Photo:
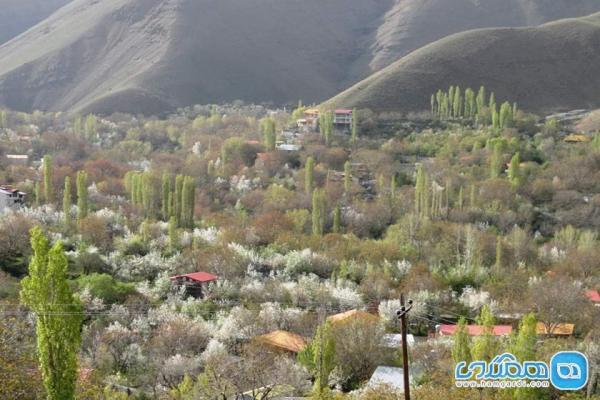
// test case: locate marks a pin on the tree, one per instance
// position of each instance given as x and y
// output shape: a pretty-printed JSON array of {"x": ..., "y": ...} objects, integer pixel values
[
  {"x": 514, "y": 170},
  {"x": 166, "y": 191},
  {"x": 178, "y": 197},
  {"x": 269, "y": 135},
  {"x": 393, "y": 187},
  {"x": 506, "y": 115},
  {"x": 318, "y": 212},
  {"x": 347, "y": 177},
  {"x": 37, "y": 191},
  {"x": 173, "y": 235},
  {"x": 496, "y": 160},
  {"x": 59, "y": 317},
  {"x": 337, "y": 219},
  {"x": 67, "y": 202},
  {"x": 461, "y": 347},
  {"x": 82, "y": 195},
  {"x": 355, "y": 123},
  {"x": 485, "y": 346},
  {"x": 188, "y": 194},
  {"x": 319, "y": 357},
  {"x": 48, "y": 177},
  {"x": 421, "y": 192},
  {"x": 480, "y": 101},
  {"x": 309, "y": 171},
  {"x": 524, "y": 349}
]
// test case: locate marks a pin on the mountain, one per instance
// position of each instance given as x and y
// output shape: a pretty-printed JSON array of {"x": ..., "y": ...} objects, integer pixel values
[
  {"x": 553, "y": 67},
  {"x": 151, "y": 56},
  {"x": 412, "y": 24},
  {"x": 16, "y": 16}
]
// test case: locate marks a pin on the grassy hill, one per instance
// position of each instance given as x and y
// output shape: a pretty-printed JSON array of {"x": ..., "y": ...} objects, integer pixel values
[
  {"x": 149, "y": 56},
  {"x": 16, "y": 16},
  {"x": 555, "y": 66}
]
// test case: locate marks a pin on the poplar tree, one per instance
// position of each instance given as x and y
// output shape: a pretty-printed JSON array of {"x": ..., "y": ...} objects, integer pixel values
[
  {"x": 318, "y": 212},
  {"x": 421, "y": 193},
  {"x": 355, "y": 125},
  {"x": 82, "y": 195},
  {"x": 67, "y": 202},
  {"x": 457, "y": 100},
  {"x": 269, "y": 135},
  {"x": 524, "y": 348},
  {"x": 337, "y": 219},
  {"x": 38, "y": 194},
  {"x": 514, "y": 170},
  {"x": 461, "y": 347},
  {"x": 187, "y": 202},
  {"x": 393, "y": 185},
  {"x": 177, "y": 198},
  {"x": 58, "y": 316},
  {"x": 48, "y": 177},
  {"x": 173, "y": 235},
  {"x": 347, "y": 176},
  {"x": 166, "y": 191},
  {"x": 319, "y": 357},
  {"x": 506, "y": 117},
  {"x": 470, "y": 105},
  {"x": 309, "y": 170},
  {"x": 480, "y": 101},
  {"x": 485, "y": 346},
  {"x": 90, "y": 126},
  {"x": 496, "y": 159}
]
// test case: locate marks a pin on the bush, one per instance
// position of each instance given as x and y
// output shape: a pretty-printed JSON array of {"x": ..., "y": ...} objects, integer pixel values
[{"x": 105, "y": 287}]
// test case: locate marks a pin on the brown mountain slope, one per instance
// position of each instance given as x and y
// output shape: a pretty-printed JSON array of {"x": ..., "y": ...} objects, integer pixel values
[
  {"x": 412, "y": 24},
  {"x": 16, "y": 16},
  {"x": 555, "y": 66},
  {"x": 153, "y": 55}
]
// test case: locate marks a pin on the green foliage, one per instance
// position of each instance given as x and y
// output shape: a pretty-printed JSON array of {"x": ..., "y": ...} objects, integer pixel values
[
  {"x": 46, "y": 292},
  {"x": 355, "y": 121},
  {"x": 67, "y": 202},
  {"x": 309, "y": 171},
  {"x": 319, "y": 357},
  {"x": 485, "y": 345},
  {"x": 337, "y": 219},
  {"x": 82, "y": 195},
  {"x": 422, "y": 192},
  {"x": 269, "y": 135},
  {"x": 514, "y": 170},
  {"x": 524, "y": 346},
  {"x": 347, "y": 176},
  {"x": 173, "y": 235},
  {"x": 105, "y": 287},
  {"x": 319, "y": 212},
  {"x": 48, "y": 170},
  {"x": 461, "y": 347}
]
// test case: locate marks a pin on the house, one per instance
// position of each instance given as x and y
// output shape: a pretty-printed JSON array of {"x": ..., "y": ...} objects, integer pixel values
[
  {"x": 558, "y": 330},
  {"x": 389, "y": 376},
  {"x": 283, "y": 341},
  {"x": 342, "y": 118},
  {"x": 352, "y": 315},
  {"x": 474, "y": 330},
  {"x": 593, "y": 296},
  {"x": 11, "y": 198},
  {"x": 194, "y": 283},
  {"x": 394, "y": 340}
]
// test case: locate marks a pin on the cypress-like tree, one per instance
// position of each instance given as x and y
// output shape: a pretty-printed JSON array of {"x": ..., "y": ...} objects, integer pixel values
[
  {"x": 48, "y": 178},
  {"x": 347, "y": 176},
  {"x": 421, "y": 193},
  {"x": 514, "y": 170},
  {"x": 269, "y": 135},
  {"x": 37, "y": 191},
  {"x": 177, "y": 206},
  {"x": 457, "y": 107},
  {"x": 461, "y": 347},
  {"x": 337, "y": 219},
  {"x": 173, "y": 235},
  {"x": 485, "y": 346},
  {"x": 480, "y": 101},
  {"x": 506, "y": 117},
  {"x": 82, "y": 195},
  {"x": 309, "y": 171},
  {"x": 319, "y": 212},
  {"x": 319, "y": 357},
  {"x": 187, "y": 202},
  {"x": 67, "y": 202},
  {"x": 166, "y": 191},
  {"x": 496, "y": 159},
  {"x": 59, "y": 316},
  {"x": 355, "y": 126},
  {"x": 393, "y": 186},
  {"x": 524, "y": 348}
]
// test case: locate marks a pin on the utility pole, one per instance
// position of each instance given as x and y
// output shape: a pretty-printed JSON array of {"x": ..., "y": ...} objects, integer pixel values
[{"x": 402, "y": 315}]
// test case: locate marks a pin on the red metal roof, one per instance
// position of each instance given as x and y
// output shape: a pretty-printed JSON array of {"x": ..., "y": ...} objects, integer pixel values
[
  {"x": 476, "y": 330},
  {"x": 197, "y": 276},
  {"x": 593, "y": 295},
  {"x": 343, "y": 111}
]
